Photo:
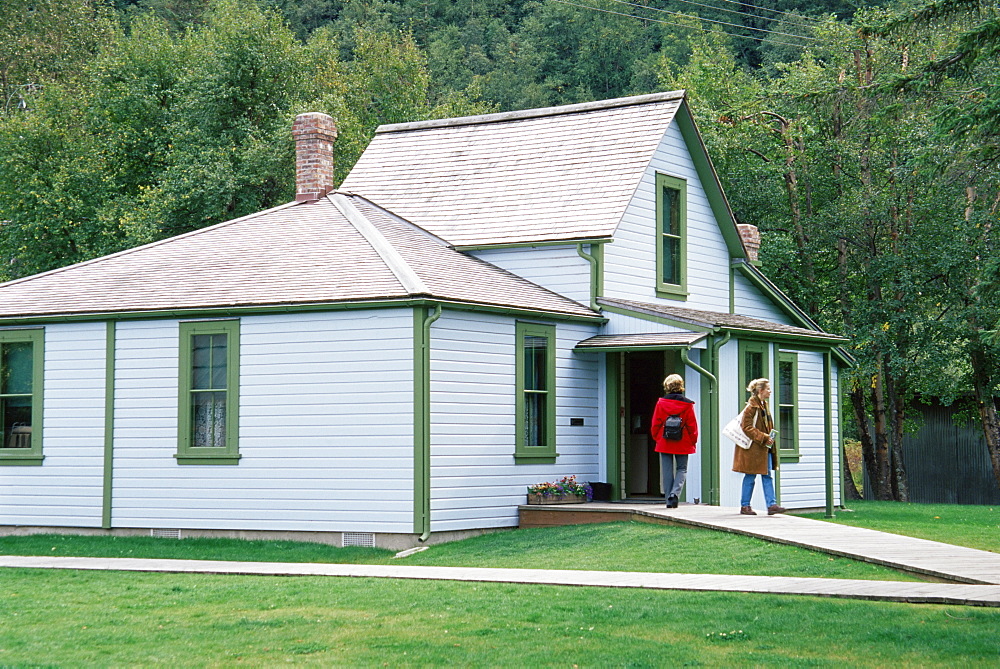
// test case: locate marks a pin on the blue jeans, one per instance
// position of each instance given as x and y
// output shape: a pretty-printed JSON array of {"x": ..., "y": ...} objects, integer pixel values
[
  {"x": 766, "y": 480},
  {"x": 672, "y": 483}
]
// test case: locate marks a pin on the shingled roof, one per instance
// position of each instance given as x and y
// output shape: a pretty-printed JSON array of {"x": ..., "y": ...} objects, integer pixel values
[
  {"x": 559, "y": 173},
  {"x": 339, "y": 249},
  {"x": 711, "y": 320}
]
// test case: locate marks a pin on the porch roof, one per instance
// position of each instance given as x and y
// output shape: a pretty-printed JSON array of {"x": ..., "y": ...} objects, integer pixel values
[
  {"x": 708, "y": 321},
  {"x": 631, "y": 342}
]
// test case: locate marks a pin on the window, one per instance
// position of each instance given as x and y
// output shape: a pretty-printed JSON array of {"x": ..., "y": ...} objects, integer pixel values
[
  {"x": 787, "y": 401},
  {"x": 754, "y": 364},
  {"x": 536, "y": 400},
  {"x": 208, "y": 421},
  {"x": 671, "y": 227},
  {"x": 21, "y": 397}
]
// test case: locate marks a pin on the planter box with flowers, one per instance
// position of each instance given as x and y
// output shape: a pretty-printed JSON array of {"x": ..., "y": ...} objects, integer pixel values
[{"x": 564, "y": 491}]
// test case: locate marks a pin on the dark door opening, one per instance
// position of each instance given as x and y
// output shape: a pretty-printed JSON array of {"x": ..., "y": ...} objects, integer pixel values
[{"x": 643, "y": 384}]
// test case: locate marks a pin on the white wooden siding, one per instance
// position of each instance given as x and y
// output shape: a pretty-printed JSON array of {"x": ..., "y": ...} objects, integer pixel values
[
  {"x": 557, "y": 268},
  {"x": 749, "y": 301},
  {"x": 326, "y": 422},
  {"x": 67, "y": 489},
  {"x": 802, "y": 483},
  {"x": 474, "y": 480},
  {"x": 630, "y": 262}
]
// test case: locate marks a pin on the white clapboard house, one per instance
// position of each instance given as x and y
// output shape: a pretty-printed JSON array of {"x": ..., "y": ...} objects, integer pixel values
[{"x": 485, "y": 303}]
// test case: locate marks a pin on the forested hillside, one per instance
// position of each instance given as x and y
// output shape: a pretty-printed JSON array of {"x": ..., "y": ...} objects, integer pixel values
[{"x": 863, "y": 141}]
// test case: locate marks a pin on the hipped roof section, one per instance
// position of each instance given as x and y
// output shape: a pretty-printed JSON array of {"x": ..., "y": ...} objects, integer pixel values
[
  {"x": 338, "y": 250},
  {"x": 541, "y": 175}
]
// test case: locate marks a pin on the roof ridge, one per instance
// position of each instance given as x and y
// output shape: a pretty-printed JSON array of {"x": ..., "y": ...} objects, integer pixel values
[
  {"x": 411, "y": 282},
  {"x": 150, "y": 245},
  {"x": 533, "y": 113}
]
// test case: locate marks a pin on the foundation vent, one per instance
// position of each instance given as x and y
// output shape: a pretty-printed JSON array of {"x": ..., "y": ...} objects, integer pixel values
[
  {"x": 165, "y": 534},
  {"x": 364, "y": 539}
]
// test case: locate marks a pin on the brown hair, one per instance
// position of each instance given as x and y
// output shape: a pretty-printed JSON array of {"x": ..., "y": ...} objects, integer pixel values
[{"x": 673, "y": 384}]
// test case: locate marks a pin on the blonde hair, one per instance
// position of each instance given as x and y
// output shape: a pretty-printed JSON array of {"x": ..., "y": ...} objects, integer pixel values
[
  {"x": 757, "y": 385},
  {"x": 673, "y": 384}
]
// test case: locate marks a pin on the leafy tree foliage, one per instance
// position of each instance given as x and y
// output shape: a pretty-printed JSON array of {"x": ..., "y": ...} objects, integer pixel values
[
  {"x": 168, "y": 132},
  {"x": 867, "y": 215}
]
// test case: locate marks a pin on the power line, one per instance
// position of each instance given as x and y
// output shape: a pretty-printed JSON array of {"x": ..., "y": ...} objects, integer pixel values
[
  {"x": 742, "y": 13},
  {"x": 765, "y": 9},
  {"x": 673, "y": 23},
  {"x": 723, "y": 23}
]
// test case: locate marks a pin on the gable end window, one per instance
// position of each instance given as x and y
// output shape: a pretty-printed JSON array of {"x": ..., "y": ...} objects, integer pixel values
[
  {"x": 208, "y": 402},
  {"x": 21, "y": 374},
  {"x": 671, "y": 234},
  {"x": 535, "y": 367}
]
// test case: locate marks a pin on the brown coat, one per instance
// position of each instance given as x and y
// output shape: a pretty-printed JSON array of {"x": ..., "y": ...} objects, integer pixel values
[{"x": 757, "y": 424}]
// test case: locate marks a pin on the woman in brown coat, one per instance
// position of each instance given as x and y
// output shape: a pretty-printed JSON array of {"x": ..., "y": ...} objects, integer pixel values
[{"x": 763, "y": 452}]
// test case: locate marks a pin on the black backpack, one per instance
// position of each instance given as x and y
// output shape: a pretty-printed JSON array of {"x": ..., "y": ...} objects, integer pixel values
[{"x": 673, "y": 428}]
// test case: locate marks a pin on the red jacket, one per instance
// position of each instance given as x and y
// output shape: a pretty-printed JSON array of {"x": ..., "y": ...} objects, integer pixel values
[{"x": 668, "y": 406}]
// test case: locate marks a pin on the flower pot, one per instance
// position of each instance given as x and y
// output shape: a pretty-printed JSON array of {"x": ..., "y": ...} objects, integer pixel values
[{"x": 537, "y": 498}]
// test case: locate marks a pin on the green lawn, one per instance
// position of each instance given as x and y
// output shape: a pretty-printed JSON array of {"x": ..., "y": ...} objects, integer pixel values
[
  {"x": 611, "y": 546},
  {"x": 959, "y": 524},
  {"x": 102, "y": 619}
]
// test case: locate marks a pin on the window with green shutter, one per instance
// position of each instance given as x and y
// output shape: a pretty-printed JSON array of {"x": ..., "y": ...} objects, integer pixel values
[
  {"x": 21, "y": 397},
  {"x": 208, "y": 420}
]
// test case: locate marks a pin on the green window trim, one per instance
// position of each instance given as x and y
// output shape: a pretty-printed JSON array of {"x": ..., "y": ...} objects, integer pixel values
[
  {"x": 786, "y": 404},
  {"x": 535, "y": 405},
  {"x": 206, "y": 387},
  {"x": 22, "y": 353},
  {"x": 671, "y": 237}
]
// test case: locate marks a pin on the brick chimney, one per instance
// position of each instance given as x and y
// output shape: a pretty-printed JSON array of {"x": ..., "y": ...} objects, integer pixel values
[
  {"x": 751, "y": 240},
  {"x": 314, "y": 134}
]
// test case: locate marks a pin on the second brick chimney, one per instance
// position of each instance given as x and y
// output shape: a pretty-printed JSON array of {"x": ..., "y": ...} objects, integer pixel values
[
  {"x": 314, "y": 134},
  {"x": 751, "y": 240}
]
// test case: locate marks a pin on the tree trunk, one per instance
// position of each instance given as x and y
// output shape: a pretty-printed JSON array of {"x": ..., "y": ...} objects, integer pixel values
[
  {"x": 857, "y": 396},
  {"x": 897, "y": 414},
  {"x": 881, "y": 485},
  {"x": 982, "y": 386},
  {"x": 850, "y": 489}
]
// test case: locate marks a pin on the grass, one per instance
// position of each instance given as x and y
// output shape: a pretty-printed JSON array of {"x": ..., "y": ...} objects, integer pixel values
[
  {"x": 959, "y": 524},
  {"x": 610, "y": 546},
  {"x": 99, "y": 619}
]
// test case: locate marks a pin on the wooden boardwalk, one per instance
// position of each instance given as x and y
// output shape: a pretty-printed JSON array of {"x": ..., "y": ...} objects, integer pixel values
[
  {"x": 894, "y": 591},
  {"x": 973, "y": 576},
  {"x": 949, "y": 563}
]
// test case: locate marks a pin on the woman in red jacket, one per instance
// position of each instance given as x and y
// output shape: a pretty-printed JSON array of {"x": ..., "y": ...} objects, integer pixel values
[{"x": 678, "y": 442}]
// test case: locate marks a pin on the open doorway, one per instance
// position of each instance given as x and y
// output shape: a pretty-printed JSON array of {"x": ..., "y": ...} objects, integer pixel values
[{"x": 644, "y": 372}]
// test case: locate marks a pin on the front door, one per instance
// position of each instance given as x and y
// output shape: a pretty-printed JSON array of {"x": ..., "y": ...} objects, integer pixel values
[{"x": 643, "y": 373}]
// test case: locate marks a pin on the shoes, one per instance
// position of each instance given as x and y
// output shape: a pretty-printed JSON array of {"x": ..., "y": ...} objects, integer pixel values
[
  {"x": 672, "y": 502},
  {"x": 774, "y": 508},
  {"x": 747, "y": 511}
]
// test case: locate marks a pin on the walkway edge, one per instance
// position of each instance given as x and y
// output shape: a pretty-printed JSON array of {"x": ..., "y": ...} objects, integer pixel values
[{"x": 890, "y": 591}]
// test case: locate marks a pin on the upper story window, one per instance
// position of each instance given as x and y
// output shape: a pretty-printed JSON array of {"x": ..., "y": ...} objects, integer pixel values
[
  {"x": 535, "y": 367},
  {"x": 21, "y": 397},
  {"x": 208, "y": 420},
  {"x": 671, "y": 233}
]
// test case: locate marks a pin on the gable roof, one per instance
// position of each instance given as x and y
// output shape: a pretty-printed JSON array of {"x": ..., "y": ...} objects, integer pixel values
[
  {"x": 541, "y": 175},
  {"x": 338, "y": 250}
]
